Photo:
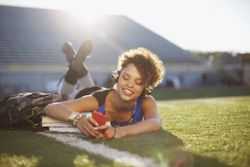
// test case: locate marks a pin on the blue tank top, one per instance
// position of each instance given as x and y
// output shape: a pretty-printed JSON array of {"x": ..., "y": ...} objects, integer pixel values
[{"x": 137, "y": 114}]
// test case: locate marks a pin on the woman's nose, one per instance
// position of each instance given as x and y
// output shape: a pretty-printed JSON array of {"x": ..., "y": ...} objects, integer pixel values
[{"x": 130, "y": 83}]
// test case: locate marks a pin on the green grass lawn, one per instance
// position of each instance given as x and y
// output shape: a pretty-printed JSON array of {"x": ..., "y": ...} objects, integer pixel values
[
  {"x": 215, "y": 128},
  {"x": 209, "y": 132}
]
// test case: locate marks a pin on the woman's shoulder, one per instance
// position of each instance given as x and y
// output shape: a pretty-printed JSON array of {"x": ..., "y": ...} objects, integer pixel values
[
  {"x": 101, "y": 95},
  {"x": 148, "y": 100}
]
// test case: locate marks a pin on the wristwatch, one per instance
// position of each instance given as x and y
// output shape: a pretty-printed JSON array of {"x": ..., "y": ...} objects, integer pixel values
[{"x": 74, "y": 117}]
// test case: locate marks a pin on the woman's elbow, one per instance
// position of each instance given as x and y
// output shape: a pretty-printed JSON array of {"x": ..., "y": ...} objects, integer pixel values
[
  {"x": 49, "y": 109},
  {"x": 157, "y": 125}
]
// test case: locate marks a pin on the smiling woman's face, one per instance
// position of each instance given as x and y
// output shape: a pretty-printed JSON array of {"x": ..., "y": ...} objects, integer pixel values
[{"x": 130, "y": 84}]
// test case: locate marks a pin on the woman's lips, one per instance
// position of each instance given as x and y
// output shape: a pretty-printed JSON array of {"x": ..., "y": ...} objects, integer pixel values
[{"x": 127, "y": 92}]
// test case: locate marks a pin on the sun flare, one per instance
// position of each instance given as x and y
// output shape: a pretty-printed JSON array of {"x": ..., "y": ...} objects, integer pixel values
[{"x": 86, "y": 17}]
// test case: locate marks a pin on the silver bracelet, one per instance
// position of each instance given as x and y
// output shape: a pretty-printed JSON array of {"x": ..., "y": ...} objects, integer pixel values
[{"x": 74, "y": 117}]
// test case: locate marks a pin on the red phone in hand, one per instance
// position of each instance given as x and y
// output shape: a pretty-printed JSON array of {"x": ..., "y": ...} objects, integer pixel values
[{"x": 101, "y": 120}]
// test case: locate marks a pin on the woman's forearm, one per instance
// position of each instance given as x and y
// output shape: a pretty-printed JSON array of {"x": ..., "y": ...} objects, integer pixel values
[
  {"x": 57, "y": 111},
  {"x": 145, "y": 126}
]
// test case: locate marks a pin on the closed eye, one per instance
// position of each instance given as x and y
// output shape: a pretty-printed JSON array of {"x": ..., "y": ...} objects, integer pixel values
[
  {"x": 125, "y": 77},
  {"x": 139, "y": 82}
]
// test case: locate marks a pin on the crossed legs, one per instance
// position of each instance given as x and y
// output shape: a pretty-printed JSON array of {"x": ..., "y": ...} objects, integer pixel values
[{"x": 77, "y": 77}]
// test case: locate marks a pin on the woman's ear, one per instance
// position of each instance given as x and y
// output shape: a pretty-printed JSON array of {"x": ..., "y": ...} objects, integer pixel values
[
  {"x": 148, "y": 89},
  {"x": 115, "y": 86},
  {"x": 118, "y": 72}
]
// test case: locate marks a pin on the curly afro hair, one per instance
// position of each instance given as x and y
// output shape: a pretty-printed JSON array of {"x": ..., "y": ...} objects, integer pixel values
[{"x": 147, "y": 63}]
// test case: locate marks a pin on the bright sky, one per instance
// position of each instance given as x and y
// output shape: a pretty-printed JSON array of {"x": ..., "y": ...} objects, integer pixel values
[{"x": 203, "y": 25}]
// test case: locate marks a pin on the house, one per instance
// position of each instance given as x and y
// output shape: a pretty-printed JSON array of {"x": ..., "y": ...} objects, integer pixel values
[{"x": 31, "y": 41}]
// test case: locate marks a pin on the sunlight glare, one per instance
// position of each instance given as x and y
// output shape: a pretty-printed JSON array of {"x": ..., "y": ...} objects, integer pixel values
[{"x": 86, "y": 17}]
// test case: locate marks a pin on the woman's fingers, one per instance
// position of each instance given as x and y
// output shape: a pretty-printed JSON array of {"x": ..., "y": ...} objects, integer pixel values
[
  {"x": 91, "y": 130},
  {"x": 102, "y": 127},
  {"x": 92, "y": 121},
  {"x": 95, "y": 124},
  {"x": 87, "y": 128},
  {"x": 83, "y": 129},
  {"x": 110, "y": 133}
]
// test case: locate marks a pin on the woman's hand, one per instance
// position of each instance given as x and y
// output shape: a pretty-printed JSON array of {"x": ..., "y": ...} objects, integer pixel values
[
  {"x": 119, "y": 133},
  {"x": 107, "y": 131},
  {"x": 111, "y": 132},
  {"x": 88, "y": 125}
]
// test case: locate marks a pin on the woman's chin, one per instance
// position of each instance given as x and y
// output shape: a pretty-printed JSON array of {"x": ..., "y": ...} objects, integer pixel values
[{"x": 128, "y": 97}]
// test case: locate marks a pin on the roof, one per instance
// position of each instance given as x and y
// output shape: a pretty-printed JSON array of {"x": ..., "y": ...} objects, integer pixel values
[{"x": 36, "y": 36}]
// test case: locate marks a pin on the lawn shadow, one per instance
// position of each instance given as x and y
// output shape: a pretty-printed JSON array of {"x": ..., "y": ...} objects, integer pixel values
[
  {"x": 201, "y": 161},
  {"x": 164, "y": 147},
  {"x": 25, "y": 148}
]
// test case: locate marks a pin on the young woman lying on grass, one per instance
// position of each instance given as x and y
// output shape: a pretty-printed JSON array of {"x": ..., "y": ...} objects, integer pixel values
[{"x": 128, "y": 105}]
